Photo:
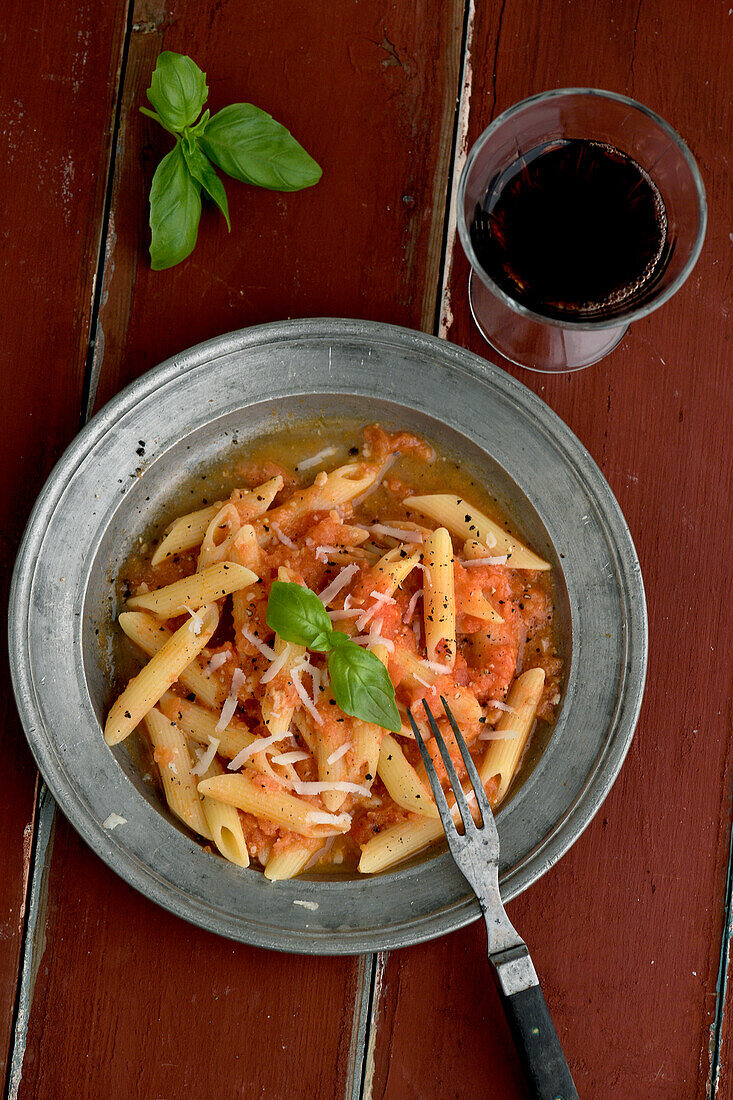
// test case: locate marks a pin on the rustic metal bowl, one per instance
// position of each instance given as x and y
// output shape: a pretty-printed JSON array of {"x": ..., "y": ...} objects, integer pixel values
[{"x": 101, "y": 495}]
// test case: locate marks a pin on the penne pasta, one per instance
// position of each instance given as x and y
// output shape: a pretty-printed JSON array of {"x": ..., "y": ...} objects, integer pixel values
[
  {"x": 224, "y": 823},
  {"x": 185, "y": 533},
  {"x": 479, "y": 607},
  {"x": 256, "y": 796},
  {"x": 396, "y": 566},
  {"x": 277, "y": 700},
  {"x": 398, "y": 842},
  {"x": 200, "y": 724},
  {"x": 307, "y": 772},
  {"x": 160, "y": 673},
  {"x": 401, "y": 780},
  {"x": 150, "y": 635},
  {"x": 367, "y": 739},
  {"x": 220, "y": 534},
  {"x": 467, "y": 522},
  {"x": 338, "y": 487},
  {"x": 193, "y": 592},
  {"x": 251, "y": 503},
  {"x": 174, "y": 764},
  {"x": 502, "y": 757},
  {"x": 439, "y": 604},
  {"x": 292, "y": 861}
]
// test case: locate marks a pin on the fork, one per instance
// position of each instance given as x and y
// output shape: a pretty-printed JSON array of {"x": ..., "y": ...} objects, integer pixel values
[{"x": 476, "y": 853}]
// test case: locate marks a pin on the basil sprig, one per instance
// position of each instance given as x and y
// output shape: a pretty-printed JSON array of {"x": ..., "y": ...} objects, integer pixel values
[
  {"x": 241, "y": 140},
  {"x": 360, "y": 683}
]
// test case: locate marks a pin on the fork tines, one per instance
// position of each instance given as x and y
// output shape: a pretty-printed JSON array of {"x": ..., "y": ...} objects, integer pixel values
[{"x": 441, "y": 801}]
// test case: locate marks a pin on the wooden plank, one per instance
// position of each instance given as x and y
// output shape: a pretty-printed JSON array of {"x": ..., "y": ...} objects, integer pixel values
[
  {"x": 57, "y": 92},
  {"x": 626, "y": 930},
  {"x": 370, "y": 90}
]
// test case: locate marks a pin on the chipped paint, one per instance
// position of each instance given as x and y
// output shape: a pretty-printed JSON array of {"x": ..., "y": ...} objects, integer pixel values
[
  {"x": 34, "y": 943},
  {"x": 360, "y": 1074},
  {"x": 460, "y": 152},
  {"x": 368, "y": 1076}
]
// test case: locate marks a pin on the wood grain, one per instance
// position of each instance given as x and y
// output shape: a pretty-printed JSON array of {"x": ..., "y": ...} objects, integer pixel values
[
  {"x": 626, "y": 930},
  {"x": 369, "y": 90},
  {"x": 57, "y": 92},
  {"x": 146, "y": 1005}
]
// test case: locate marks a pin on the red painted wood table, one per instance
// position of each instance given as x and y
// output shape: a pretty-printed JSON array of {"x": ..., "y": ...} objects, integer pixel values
[{"x": 101, "y": 993}]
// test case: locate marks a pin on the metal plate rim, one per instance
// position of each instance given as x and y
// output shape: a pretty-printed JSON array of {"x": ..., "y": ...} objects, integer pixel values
[{"x": 103, "y": 843}]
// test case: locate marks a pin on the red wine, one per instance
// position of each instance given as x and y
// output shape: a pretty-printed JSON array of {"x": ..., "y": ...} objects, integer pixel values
[{"x": 573, "y": 228}]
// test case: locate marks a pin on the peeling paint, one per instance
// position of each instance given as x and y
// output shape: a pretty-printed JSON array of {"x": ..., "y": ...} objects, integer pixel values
[
  {"x": 368, "y": 1079},
  {"x": 459, "y": 159},
  {"x": 34, "y": 943}
]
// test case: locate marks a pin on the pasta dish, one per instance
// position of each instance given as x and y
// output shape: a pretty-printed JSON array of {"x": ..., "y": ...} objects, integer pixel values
[{"x": 289, "y": 628}]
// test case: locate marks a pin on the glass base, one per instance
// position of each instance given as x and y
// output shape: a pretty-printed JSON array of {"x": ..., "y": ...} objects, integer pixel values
[{"x": 547, "y": 348}]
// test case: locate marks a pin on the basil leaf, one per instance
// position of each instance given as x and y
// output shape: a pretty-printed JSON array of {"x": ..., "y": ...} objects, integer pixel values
[
  {"x": 249, "y": 145},
  {"x": 297, "y": 615},
  {"x": 200, "y": 168},
  {"x": 361, "y": 686},
  {"x": 175, "y": 209},
  {"x": 177, "y": 89}
]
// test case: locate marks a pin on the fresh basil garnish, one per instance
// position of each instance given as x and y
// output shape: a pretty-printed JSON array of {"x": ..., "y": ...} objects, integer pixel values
[
  {"x": 297, "y": 615},
  {"x": 360, "y": 683},
  {"x": 202, "y": 171},
  {"x": 177, "y": 90},
  {"x": 175, "y": 209},
  {"x": 361, "y": 686},
  {"x": 247, "y": 143}
]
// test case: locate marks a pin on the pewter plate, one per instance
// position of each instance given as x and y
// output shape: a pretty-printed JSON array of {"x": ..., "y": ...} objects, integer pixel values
[{"x": 101, "y": 495}]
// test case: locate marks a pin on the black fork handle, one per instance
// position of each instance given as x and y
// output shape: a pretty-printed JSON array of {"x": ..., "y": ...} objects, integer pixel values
[
  {"x": 540, "y": 1053},
  {"x": 538, "y": 1046}
]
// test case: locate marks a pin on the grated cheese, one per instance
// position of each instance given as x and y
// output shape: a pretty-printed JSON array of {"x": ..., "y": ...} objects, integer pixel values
[
  {"x": 407, "y": 617},
  {"x": 501, "y": 706},
  {"x": 303, "y": 695},
  {"x": 395, "y": 532},
  {"x": 498, "y": 735},
  {"x": 306, "y": 904},
  {"x": 375, "y": 633},
  {"x": 436, "y": 666},
  {"x": 374, "y": 639},
  {"x": 282, "y": 537},
  {"x": 316, "y": 857},
  {"x": 500, "y": 559},
  {"x": 320, "y": 817},
  {"x": 382, "y": 597},
  {"x": 290, "y": 757},
  {"x": 322, "y": 552},
  {"x": 274, "y": 668},
  {"x": 258, "y": 745},
  {"x": 347, "y": 613},
  {"x": 338, "y": 583},
  {"x": 113, "y": 821},
  {"x": 215, "y": 663},
  {"x": 389, "y": 462},
  {"x": 338, "y": 753},
  {"x": 314, "y": 460},
  {"x": 206, "y": 759},
  {"x": 265, "y": 650},
  {"x": 230, "y": 703},
  {"x": 318, "y": 788},
  {"x": 197, "y": 621}
]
